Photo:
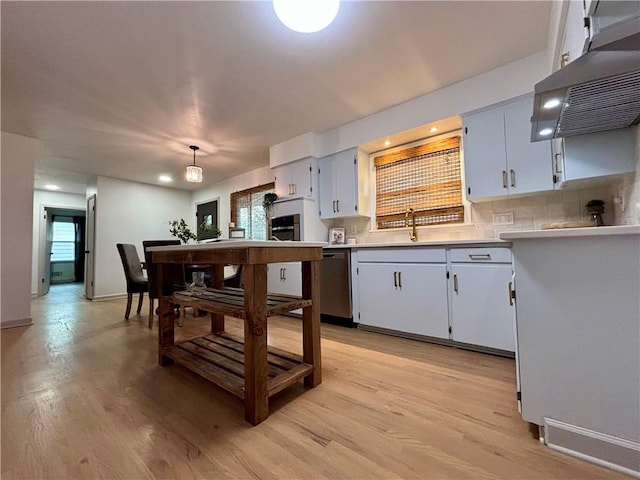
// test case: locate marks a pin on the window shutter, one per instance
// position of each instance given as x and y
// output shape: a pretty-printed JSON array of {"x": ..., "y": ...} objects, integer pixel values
[
  {"x": 426, "y": 178},
  {"x": 247, "y": 211}
]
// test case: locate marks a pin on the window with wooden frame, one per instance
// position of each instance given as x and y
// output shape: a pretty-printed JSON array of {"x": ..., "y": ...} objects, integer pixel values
[
  {"x": 248, "y": 212},
  {"x": 426, "y": 178}
]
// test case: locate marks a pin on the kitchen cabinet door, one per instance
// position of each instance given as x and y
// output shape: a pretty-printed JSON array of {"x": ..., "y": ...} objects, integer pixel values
[
  {"x": 481, "y": 309},
  {"x": 409, "y": 298},
  {"x": 485, "y": 156},
  {"x": 499, "y": 157},
  {"x": 342, "y": 184},
  {"x": 597, "y": 155},
  {"x": 529, "y": 163},
  {"x": 296, "y": 179},
  {"x": 285, "y": 278},
  {"x": 575, "y": 34}
]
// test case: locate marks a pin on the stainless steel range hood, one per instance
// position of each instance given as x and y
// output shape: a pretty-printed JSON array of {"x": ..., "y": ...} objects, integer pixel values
[{"x": 598, "y": 91}]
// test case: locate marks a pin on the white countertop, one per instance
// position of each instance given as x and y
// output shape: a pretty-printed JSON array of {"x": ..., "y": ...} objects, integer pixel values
[
  {"x": 572, "y": 232},
  {"x": 443, "y": 243},
  {"x": 237, "y": 244}
]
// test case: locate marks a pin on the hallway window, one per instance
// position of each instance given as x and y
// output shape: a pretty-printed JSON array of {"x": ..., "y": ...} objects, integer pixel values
[{"x": 64, "y": 236}]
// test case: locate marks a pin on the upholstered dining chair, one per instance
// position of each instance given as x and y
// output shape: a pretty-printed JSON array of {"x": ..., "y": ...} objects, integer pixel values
[
  {"x": 153, "y": 284},
  {"x": 136, "y": 281}
]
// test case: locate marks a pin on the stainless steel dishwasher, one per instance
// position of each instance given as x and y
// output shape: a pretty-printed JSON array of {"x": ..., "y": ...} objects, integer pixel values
[{"x": 335, "y": 287}]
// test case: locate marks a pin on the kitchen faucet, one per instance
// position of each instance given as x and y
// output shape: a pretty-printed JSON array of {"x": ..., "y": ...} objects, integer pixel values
[{"x": 414, "y": 234}]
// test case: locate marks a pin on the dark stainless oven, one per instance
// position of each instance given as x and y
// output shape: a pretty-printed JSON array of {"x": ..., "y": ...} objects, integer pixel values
[{"x": 286, "y": 227}]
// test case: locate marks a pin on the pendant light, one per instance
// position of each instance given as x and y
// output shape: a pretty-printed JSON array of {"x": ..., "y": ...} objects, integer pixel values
[
  {"x": 194, "y": 172},
  {"x": 306, "y": 16}
]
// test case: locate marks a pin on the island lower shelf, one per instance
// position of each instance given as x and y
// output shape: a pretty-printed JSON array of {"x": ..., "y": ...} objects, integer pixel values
[
  {"x": 219, "y": 358},
  {"x": 230, "y": 301}
]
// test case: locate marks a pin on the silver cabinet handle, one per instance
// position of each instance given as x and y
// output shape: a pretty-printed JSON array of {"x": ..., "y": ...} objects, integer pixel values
[
  {"x": 400, "y": 279},
  {"x": 504, "y": 179},
  {"x": 337, "y": 205},
  {"x": 511, "y": 293},
  {"x": 334, "y": 206},
  {"x": 480, "y": 256},
  {"x": 556, "y": 163},
  {"x": 284, "y": 274},
  {"x": 513, "y": 177},
  {"x": 395, "y": 279},
  {"x": 455, "y": 282},
  {"x": 293, "y": 188}
]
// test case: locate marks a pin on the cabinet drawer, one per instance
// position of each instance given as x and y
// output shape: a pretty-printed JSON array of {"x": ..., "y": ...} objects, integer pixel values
[
  {"x": 481, "y": 255},
  {"x": 403, "y": 255}
]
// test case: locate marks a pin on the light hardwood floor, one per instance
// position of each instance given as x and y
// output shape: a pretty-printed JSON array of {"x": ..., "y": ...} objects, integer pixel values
[{"x": 84, "y": 397}]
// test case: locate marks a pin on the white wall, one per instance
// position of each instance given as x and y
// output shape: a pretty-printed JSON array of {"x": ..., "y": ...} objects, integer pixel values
[
  {"x": 130, "y": 212},
  {"x": 223, "y": 190},
  {"x": 500, "y": 84},
  {"x": 42, "y": 198},
  {"x": 16, "y": 197}
]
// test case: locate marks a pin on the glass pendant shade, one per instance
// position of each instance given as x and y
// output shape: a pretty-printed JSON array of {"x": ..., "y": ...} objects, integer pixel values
[
  {"x": 194, "y": 172},
  {"x": 306, "y": 16}
]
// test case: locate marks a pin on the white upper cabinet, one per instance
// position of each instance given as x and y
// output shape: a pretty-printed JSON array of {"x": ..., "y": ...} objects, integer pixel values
[
  {"x": 594, "y": 156},
  {"x": 296, "y": 179},
  {"x": 343, "y": 184},
  {"x": 499, "y": 157},
  {"x": 575, "y": 34}
]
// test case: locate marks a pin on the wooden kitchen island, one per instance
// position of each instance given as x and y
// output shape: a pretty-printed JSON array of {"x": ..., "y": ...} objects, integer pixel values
[{"x": 247, "y": 367}]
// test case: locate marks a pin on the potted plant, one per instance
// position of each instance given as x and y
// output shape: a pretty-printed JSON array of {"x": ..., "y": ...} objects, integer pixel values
[
  {"x": 596, "y": 209},
  {"x": 268, "y": 200},
  {"x": 595, "y": 206},
  {"x": 181, "y": 230},
  {"x": 207, "y": 231}
]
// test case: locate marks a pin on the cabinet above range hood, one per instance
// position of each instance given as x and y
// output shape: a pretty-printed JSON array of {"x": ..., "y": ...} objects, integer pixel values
[{"x": 598, "y": 91}]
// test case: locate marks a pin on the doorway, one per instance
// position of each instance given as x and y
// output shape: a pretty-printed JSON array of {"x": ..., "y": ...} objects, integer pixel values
[
  {"x": 206, "y": 218},
  {"x": 62, "y": 258}
]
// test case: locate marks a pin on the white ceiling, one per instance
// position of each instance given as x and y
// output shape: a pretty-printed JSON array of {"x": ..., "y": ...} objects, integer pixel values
[{"x": 123, "y": 88}]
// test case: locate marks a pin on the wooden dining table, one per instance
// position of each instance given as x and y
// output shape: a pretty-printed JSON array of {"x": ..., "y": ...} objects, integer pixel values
[{"x": 247, "y": 367}]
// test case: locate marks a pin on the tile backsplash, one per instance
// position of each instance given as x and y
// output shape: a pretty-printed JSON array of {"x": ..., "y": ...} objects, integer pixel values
[
  {"x": 626, "y": 193},
  {"x": 622, "y": 207},
  {"x": 529, "y": 213}
]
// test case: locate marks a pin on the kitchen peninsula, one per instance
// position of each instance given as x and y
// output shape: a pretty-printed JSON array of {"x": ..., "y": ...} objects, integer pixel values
[
  {"x": 250, "y": 370},
  {"x": 578, "y": 331}
]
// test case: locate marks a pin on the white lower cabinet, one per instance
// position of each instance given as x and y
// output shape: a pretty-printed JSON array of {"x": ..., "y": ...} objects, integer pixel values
[
  {"x": 285, "y": 278},
  {"x": 461, "y": 295},
  {"x": 405, "y": 297},
  {"x": 482, "y": 311}
]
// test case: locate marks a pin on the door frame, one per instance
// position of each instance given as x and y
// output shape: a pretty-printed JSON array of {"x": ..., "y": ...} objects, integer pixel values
[
  {"x": 44, "y": 225},
  {"x": 202, "y": 202}
]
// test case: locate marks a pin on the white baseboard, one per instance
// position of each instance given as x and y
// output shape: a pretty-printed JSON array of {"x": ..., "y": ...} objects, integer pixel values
[
  {"x": 19, "y": 322},
  {"x": 600, "y": 448},
  {"x": 114, "y": 296}
]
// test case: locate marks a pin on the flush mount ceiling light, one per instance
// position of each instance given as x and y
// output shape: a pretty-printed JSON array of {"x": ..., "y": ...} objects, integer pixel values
[
  {"x": 52, "y": 187},
  {"x": 194, "y": 172},
  {"x": 165, "y": 178},
  {"x": 306, "y": 16}
]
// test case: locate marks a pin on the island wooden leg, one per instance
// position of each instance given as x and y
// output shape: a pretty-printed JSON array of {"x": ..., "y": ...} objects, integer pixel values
[
  {"x": 256, "y": 400},
  {"x": 311, "y": 322},
  {"x": 217, "y": 281},
  {"x": 165, "y": 329}
]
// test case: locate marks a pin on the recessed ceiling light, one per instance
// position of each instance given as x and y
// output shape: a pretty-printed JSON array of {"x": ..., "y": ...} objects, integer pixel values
[
  {"x": 553, "y": 103},
  {"x": 51, "y": 186},
  {"x": 306, "y": 16},
  {"x": 165, "y": 178},
  {"x": 387, "y": 143},
  {"x": 546, "y": 131},
  {"x": 433, "y": 130}
]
